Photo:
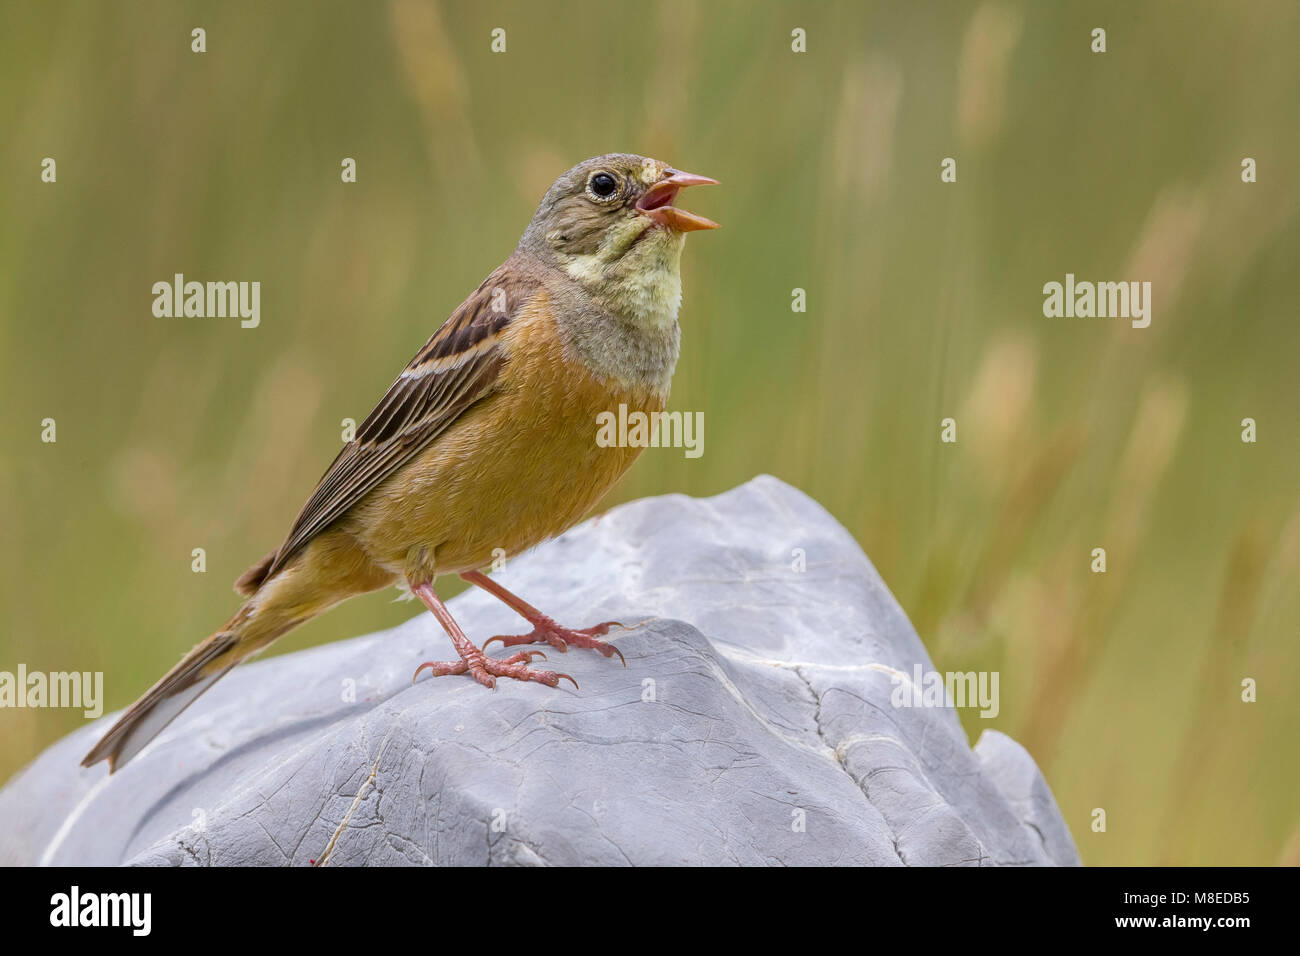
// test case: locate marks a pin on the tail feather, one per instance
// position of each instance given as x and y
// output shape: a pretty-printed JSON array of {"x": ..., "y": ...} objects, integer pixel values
[
  {"x": 160, "y": 705},
  {"x": 332, "y": 568}
]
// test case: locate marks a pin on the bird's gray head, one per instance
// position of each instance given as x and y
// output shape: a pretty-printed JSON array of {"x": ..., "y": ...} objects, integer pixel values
[{"x": 611, "y": 225}]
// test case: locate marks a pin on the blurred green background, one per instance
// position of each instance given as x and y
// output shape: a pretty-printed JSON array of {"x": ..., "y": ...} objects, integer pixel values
[{"x": 924, "y": 301}]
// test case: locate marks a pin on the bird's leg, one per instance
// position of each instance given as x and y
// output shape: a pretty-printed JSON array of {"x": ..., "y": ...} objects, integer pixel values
[
  {"x": 482, "y": 668},
  {"x": 544, "y": 628}
]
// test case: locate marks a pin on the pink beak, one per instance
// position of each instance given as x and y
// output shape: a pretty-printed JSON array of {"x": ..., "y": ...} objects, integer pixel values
[{"x": 657, "y": 202}]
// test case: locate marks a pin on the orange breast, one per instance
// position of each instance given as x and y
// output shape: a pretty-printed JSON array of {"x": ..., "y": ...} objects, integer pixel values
[{"x": 519, "y": 467}]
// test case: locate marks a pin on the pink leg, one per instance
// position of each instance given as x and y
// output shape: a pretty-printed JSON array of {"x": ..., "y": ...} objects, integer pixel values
[
  {"x": 482, "y": 668},
  {"x": 544, "y": 628}
]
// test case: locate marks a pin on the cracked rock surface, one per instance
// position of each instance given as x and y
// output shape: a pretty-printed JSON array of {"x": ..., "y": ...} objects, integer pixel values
[{"x": 752, "y": 725}]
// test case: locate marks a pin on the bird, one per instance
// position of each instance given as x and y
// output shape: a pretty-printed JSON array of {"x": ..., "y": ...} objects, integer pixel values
[{"x": 485, "y": 443}]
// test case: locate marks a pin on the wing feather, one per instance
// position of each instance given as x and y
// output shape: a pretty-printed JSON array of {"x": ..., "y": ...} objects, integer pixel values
[{"x": 456, "y": 368}]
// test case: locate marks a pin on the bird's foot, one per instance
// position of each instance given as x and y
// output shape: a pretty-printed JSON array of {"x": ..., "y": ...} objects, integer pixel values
[
  {"x": 486, "y": 669},
  {"x": 562, "y": 638}
]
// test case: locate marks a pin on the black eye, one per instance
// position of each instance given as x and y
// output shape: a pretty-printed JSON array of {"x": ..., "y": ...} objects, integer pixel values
[{"x": 603, "y": 185}]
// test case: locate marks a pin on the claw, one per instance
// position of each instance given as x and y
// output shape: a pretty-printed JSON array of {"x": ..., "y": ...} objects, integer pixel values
[
  {"x": 563, "y": 638},
  {"x": 441, "y": 668},
  {"x": 603, "y": 645},
  {"x": 520, "y": 657},
  {"x": 503, "y": 638},
  {"x": 648, "y": 620},
  {"x": 482, "y": 668}
]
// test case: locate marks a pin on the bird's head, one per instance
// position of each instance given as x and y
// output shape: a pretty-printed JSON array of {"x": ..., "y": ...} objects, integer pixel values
[{"x": 611, "y": 224}]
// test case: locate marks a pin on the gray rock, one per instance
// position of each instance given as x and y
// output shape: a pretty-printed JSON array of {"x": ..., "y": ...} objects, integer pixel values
[{"x": 753, "y": 724}]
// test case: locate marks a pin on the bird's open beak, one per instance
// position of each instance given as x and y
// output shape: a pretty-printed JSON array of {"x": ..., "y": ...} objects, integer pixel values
[{"x": 657, "y": 202}]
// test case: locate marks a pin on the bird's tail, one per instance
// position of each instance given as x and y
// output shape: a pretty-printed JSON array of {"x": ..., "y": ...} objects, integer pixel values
[
  {"x": 249, "y": 631},
  {"x": 332, "y": 568}
]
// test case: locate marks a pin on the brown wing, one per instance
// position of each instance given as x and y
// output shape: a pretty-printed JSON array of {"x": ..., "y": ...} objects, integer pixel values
[{"x": 457, "y": 367}]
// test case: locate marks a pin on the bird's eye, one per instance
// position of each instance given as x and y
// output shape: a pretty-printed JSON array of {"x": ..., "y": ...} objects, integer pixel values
[{"x": 602, "y": 186}]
